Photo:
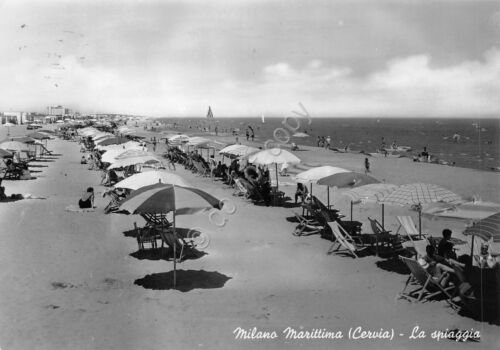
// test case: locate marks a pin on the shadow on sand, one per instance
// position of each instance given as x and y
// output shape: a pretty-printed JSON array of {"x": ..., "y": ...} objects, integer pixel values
[
  {"x": 187, "y": 280},
  {"x": 166, "y": 254}
]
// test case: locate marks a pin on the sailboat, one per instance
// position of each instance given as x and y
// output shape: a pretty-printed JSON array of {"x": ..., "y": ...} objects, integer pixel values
[
  {"x": 263, "y": 119},
  {"x": 210, "y": 115}
]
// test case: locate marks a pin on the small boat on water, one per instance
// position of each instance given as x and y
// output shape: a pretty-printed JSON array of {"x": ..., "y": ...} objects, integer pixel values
[{"x": 397, "y": 149}]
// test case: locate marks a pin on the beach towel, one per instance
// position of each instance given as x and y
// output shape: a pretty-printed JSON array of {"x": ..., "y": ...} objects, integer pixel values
[{"x": 76, "y": 209}]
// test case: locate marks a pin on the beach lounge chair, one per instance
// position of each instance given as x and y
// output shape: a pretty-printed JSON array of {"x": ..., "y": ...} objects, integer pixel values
[
  {"x": 146, "y": 235},
  {"x": 344, "y": 243},
  {"x": 181, "y": 245},
  {"x": 427, "y": 287},
  {"x": 406, "y": 222},
  {"x": 240, "y": 189},
  {"x": 307, "y": 227}
]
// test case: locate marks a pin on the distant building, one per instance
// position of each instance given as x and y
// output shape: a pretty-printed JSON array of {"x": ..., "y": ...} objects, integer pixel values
[
  {"x": 15, "y": 117},
  {"x": 58, "y": 111}
]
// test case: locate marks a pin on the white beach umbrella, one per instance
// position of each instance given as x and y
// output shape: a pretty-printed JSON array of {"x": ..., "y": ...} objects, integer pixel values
[
  {"x": 315, "y": 174},
  {"x": 123, "y": 147},
  {"x": 236, "y": 151},
  {"x": 120, "y": 163},
  {"x": 274, "y": 156},
  {"x": 194, "y": 141},
  {"x": 147, "y": 178},
  {"x": 15, "y": 146}
]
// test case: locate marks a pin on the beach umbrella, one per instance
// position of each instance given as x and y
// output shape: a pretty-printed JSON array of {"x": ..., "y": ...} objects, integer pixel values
[
  {"x": 349, "y": 179},
  {"x": 486, "y": 229},
  {"x": 165, "y": 198},
  {"x": 474, "y": 210},
  {"x": 178, "y": 139},
  {"x": 131, "y": 153},
  {"x": 370, "y": 193},
  {"x": 113, "y": 141},
  {"x": 416, "y": 194},
  {"x": 8, "y": 125},
  {"x": 236, "y": 151},
  {"x": 120, "y": 163},
  {"x": 194, "y": 141},
  {"x": 5, "y": 154},
  {"x": 274, "y": 156},
  {"x": 15, "y": 146},
  {"x": 313, "y": 175},
  {"x": 39, "y": 135},
  {"x": 123, "y": 147},
  {"x": 23, "y": 139},
  {"x": 147, "y": 178}
]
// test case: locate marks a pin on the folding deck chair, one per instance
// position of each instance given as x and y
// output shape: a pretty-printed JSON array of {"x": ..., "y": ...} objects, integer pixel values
[
  {"x": 427, "y": 286},
  {"x": 307, "y": 227},
  {"x": 343, "y": 243},
  {"x": 406, "y": 222}
]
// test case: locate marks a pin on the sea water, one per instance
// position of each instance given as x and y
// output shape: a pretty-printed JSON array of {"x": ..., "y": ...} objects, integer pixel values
[{"x": 470, "y": 143}]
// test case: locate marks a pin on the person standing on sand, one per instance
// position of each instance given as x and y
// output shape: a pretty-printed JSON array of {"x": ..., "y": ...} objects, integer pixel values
[
  {"x": 319, "y": 141},
  {"x": 247, "y": 134},
  {"x": 328, "y": 140},
  {"x": 367, "y": 166}
]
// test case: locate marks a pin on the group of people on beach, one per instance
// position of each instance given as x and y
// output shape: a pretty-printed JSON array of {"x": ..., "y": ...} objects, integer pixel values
[{"x": 323, "y": 142}]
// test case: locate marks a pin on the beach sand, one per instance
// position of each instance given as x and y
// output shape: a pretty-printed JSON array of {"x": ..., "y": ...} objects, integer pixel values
[{"x": 76, "y": 280}]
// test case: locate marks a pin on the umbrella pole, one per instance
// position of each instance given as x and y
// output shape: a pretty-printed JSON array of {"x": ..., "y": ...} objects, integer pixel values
[
  {"x": 328, "y": 195},
  {"x": 383, "y": 214},
  {"x": 311, "y": 186},
  {"x": 351, "y": 210},
  {"x": 419, "y": 223},
  {"x": 175, "y": 253}
]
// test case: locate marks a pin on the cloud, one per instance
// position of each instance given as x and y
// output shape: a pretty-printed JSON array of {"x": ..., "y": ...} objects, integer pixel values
[{"x": 405, "y": 86}]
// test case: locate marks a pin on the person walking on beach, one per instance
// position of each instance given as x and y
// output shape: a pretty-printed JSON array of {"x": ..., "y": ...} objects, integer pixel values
[
  {"x": 252, "y": 134},
  {"x": 247, "y": 134},
  {"x": 328, "y": 140},
  {"x": 367, "y": 166},
  {"x": 319, "y": 141}
]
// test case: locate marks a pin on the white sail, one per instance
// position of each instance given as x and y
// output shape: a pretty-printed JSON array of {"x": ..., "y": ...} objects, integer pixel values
[{"x": 263, "y": 119}]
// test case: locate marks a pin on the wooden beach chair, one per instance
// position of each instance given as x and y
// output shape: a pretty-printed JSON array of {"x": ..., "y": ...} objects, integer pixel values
[
  {"x": 307, "y": 227},
  {"x": 240, "y": 190},
  {"x": 344, "y": 243},
  {"x": 146, "y": 235},
  {"x": 181, "y": 245},
  {"x": 406, "y": 222},
  {"x": 427, "y": 287}
]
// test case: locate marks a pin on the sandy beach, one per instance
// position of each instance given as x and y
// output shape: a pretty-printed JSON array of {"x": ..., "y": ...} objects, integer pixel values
[{"x": 77, "y": 280}]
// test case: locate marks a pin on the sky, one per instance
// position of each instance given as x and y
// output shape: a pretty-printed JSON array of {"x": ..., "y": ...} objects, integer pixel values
[{"x": 342, "y": 58}]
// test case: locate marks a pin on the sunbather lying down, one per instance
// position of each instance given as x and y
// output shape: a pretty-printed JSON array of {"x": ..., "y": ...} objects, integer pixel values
[{"x": 16, "y": 196}]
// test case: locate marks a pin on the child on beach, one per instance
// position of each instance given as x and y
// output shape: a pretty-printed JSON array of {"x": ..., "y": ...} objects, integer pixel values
[{"x": 367, "y": 166}]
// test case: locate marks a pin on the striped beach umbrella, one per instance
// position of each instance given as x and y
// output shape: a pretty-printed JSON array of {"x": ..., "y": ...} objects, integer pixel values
[
  {"x": 487, "y": 229},
  {"x": 148, "y": 178},
  {"x": 162, "y": 199},
  {"x": 417, "y": 194},
  {"x": 371, "y": 193}
]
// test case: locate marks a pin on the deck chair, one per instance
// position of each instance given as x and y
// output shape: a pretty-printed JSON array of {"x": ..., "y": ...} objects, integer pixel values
[
  {"x": 240, "y": 190},
  {"x": 200, "y": 169},
  {"x": 146, "y": 235},
  {"x": 307, "y": 227},
  {"x": 343, "y": 243},
  {"x": 427, "y": 287},
  {"x": 181, "y": 245},
  {"x": 406, "y": 222}
]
